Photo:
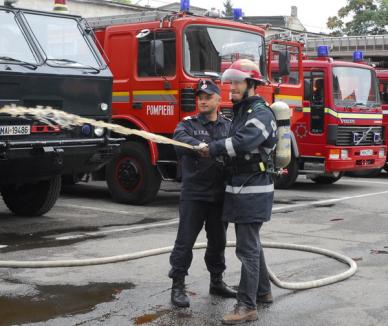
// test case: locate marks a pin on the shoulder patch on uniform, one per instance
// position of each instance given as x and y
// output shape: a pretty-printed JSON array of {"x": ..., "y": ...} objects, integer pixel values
[
  {"x": 190, "y": 117},
  {"x": 225, "y": 117}
]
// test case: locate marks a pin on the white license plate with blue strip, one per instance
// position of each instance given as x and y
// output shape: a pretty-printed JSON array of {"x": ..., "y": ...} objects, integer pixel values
[{"x": 15, "y": 130}]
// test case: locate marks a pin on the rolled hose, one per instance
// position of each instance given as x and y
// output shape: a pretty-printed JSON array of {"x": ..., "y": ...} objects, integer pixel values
[{"x": 160, "y": 251}]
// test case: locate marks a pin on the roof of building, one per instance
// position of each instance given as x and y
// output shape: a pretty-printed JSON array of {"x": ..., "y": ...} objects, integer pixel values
[
  {"x": 276, "y": 21},
  {"x": 112, "y": 3}
]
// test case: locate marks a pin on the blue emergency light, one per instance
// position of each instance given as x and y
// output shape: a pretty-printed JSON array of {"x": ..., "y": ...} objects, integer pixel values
[
  {"x": 323, "y": 51},
  {"x": 237, "y": 13},
  {"x": 358, "y": 56},
  {"x": 185, "y": 5}
]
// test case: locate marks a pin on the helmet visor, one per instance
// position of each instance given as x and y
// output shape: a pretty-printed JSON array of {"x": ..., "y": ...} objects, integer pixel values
[{"x": 234, "y": 75}]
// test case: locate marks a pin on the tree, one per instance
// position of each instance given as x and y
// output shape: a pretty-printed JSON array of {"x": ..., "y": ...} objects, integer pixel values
[
  {"x": 126, "y": 2},
  {"x": 228, "y": 8},
  {"x": 366, "y": 17}
]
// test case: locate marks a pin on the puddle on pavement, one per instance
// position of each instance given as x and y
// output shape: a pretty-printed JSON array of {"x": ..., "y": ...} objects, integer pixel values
[
  {"x": 15, "y": 241},
  {"x": 324, "y": 205},
  {"x": 57, "y": 300},
  {"x": 336, "y": 219},
  {"x": 150, "y": 317},
  {"x": 379, "y": 252},
  {"x": 293, "y": 201}
]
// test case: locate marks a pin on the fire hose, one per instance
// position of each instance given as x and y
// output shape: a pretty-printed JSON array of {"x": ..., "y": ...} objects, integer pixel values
[
  {"x": 160, "y": 251},
  {"x": 65, "y": 120}
]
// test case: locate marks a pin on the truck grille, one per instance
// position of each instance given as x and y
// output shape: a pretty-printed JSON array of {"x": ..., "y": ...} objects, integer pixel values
[{"x": 359, "y": 135}]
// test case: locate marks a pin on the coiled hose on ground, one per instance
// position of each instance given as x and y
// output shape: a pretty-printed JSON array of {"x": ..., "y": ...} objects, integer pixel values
[{"x": 159, "y": 251}]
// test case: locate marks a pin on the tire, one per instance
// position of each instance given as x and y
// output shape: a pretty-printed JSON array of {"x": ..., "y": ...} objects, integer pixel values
[
  {"x": 366, "y": 174},
  {"x": 286, "y": 181},
  {"x": 131, "y": 177},
  {"x": 326, "y": 180},
  {"x": 32, "y": 199}
]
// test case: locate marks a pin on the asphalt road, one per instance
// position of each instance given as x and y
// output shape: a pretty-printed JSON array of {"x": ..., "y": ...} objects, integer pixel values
[{"x": 350, "y": 217}]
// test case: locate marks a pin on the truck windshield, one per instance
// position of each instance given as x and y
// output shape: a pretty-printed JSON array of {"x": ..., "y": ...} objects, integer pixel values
[
  {"x": 354, "y": 87},
  {"x": 61, "y": 39},
  {"x": 209, "y": 51},
  {"x": 13, "y": 45}
]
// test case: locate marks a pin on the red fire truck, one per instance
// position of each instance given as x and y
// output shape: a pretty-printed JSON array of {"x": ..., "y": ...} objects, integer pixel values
[
  {"x": 157, "y": 60},
  {"x": 382, "y": 75},
  {"x": 340, "y": 126}
]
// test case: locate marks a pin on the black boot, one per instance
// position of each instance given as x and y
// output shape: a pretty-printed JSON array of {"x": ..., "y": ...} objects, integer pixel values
[
  {"x": 179, "y": 297},
  {"x": 218, "y": 287}
]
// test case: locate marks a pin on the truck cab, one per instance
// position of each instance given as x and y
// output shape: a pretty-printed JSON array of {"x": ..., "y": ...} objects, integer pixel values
[
  {"x": 49, "y": 60},
  {"x": 340, "y": 127}
]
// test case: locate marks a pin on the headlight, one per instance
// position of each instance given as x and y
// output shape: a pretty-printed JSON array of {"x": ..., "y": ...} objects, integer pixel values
[
  {"x": 344, "y": 154},
  {"x": 99, "y": 132},
  {"x": 104, "y": 106},
  {"x": 381, "y": 153}
]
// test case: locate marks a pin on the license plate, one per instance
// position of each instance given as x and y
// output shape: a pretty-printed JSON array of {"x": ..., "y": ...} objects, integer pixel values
[
  {"x": 15, "y": 130},
  {"x": 366, "y": 152}
]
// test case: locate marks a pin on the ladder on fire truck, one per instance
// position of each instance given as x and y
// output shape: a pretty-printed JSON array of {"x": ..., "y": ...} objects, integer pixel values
[
  {"x": 371, "y": 45},
  {"x": 374, "y": 47},
  {"x": 146, "y": 16}
]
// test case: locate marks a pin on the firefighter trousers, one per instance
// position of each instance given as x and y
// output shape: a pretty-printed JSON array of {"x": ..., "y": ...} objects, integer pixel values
[
  {"x": 254, "y": 280},
  {"x": 193, "y": 215}
]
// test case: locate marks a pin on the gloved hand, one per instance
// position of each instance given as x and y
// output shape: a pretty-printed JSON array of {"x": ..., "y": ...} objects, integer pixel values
[
  {"x": 200, "y": 147},
  {"x": 203, "y": 149}
]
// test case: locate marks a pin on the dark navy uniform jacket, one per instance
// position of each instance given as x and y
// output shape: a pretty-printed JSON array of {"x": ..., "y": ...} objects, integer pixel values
[
  {"x": 248, "y": 195},
  {"x": 202, "y": 178}
]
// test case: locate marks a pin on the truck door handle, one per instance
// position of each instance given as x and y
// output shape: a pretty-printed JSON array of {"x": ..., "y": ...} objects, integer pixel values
[{"x": 137, "y": 105}]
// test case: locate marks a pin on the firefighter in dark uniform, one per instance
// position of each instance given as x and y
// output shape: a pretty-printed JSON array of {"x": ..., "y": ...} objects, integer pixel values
[
  {"x": 202, "y": 194},
  {"x": 250, "y": 190}
]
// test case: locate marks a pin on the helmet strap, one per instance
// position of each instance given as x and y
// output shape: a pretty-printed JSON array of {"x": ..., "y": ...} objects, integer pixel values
[{"x": 250, "y": 85}]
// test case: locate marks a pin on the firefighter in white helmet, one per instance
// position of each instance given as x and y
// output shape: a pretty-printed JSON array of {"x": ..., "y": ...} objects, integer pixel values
[{"x": 250, "y": 190}]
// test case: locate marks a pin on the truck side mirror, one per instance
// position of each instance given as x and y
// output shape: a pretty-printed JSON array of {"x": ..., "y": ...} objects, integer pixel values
[
  {"x": 284, "y": 63},
  {"x": 157, "y": 55}
]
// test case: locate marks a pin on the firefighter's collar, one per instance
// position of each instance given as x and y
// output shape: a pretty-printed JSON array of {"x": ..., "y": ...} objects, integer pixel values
[{"x": 205, "y": 121}]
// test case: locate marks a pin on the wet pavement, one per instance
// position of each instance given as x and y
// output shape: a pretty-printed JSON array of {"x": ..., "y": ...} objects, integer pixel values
[{"x": 350, "y": 217}]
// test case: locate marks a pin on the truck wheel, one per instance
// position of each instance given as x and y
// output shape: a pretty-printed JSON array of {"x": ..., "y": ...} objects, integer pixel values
[
  {"x": 365, "y": 174},
  {"x": 131, "y": 177},
  {"x": 287, "y": 180},
  {"x": 32, "y": 199},
  {"x": 327, "y": 180}
]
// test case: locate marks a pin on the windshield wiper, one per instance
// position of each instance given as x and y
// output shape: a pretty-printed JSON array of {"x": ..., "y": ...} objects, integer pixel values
[
  {"x": 355, "y": 104},
  {"x": 19, "y": 62},
  {"x": 72, "y": 62}
]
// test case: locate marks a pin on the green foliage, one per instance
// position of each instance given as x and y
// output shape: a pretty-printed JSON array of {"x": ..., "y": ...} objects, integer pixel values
[
  {"x": 228, "y": 8},
  {"x": 126, "y": 2},
  {"x": 360, "y": 17}
]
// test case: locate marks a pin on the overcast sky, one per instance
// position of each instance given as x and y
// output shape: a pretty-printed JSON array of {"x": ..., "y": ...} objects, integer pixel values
[{"x": 313, "y": 14}]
